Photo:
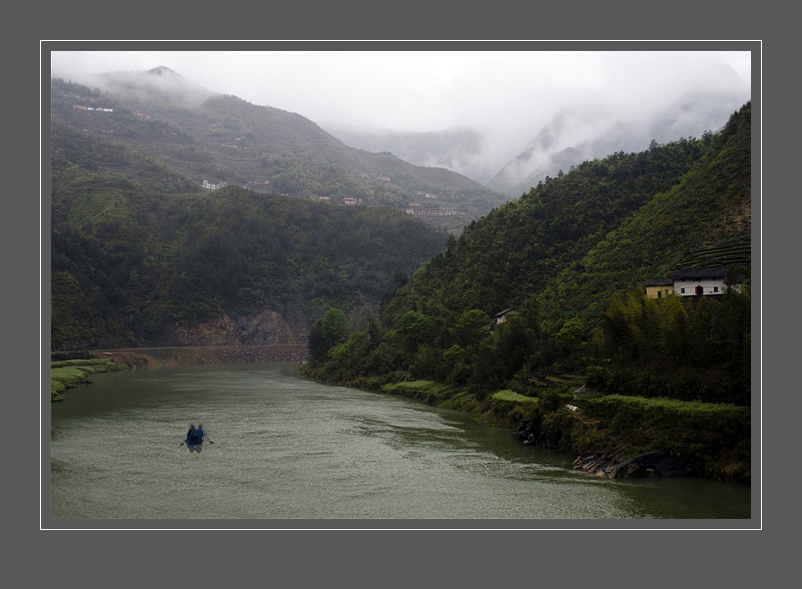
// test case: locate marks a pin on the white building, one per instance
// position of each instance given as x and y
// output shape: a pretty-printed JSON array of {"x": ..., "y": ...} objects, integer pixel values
[
  {"x": 214, "y": 186},
  {"x": 702, "y": 281}
]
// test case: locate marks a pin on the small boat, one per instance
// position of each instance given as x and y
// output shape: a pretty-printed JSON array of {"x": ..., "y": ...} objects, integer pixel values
[
  {"x": 194, "y": 443},
  {"x": 195, "y": 447}
]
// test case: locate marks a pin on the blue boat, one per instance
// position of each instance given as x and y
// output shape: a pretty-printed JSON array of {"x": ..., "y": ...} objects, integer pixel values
[{"x": 194, "y": 443}]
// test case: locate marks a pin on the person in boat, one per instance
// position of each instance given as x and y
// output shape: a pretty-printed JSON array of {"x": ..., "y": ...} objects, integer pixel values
[
  {"x": 199, "y": 433},
  {"x": 192, "y": 437}
]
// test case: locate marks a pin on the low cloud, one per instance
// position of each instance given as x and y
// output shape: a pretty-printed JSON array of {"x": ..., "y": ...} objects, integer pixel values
[{"x": 509, "y": 100}]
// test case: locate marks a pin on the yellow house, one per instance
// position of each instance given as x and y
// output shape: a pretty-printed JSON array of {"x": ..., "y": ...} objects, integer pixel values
[{"x": 658, "y": 288}]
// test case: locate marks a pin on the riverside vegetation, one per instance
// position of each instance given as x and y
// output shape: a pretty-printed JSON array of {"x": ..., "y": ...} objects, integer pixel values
[{"x": 570, "y": 258}]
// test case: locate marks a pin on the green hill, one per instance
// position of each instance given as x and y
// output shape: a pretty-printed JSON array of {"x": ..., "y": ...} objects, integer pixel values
[
  {"x": 568, "y": 262},
  {"x": 177, "y": 136},
  {"x": 573, "y": 245},
  {"x": 130, "y": 266}
]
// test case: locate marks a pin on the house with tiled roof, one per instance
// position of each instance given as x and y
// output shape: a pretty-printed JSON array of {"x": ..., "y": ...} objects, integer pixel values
[
  {"x": 692, "y": 282},
  {"x": 702, "y": 281}
]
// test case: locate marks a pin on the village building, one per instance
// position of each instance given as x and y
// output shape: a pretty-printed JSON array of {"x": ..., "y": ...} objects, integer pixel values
[
  {"x": 213, "y": 185},
  {"x": 501, "y": 317},
  {"x": 92, "y": 108},
  {"x": 692, "y": 282},
  {"x": 702, "y": 281},
  {"x": 658, "y": 288},
  {"x": 415, "y": 208}
]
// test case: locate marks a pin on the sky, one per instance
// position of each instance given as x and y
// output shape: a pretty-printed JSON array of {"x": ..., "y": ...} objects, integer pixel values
[{"x": 510, "y": 95}]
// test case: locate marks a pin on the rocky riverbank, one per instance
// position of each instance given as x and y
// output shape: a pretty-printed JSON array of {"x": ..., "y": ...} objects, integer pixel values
[{"x": 643, "y": 465}]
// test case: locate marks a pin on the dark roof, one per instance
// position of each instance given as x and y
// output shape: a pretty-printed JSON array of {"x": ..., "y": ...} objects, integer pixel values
[
  {"x": 698, "y": 273},
  {"x": 701, "y": 273},
  {"x": 660, "y": 282}
]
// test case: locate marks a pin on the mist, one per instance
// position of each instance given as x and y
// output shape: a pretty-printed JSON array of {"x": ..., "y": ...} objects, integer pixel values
[{"x": 476, "y": 112}]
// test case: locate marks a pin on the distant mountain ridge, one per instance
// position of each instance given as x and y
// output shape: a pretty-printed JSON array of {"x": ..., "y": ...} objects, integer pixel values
[
  {"x": 222, "y": 138},
  {"x": 459, "y": 149},
  {"x": 573, "y": 135},
  {"x": 576, "y": 135}
]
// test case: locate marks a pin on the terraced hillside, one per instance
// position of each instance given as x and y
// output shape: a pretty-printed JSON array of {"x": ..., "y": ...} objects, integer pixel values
[{"x": 730, "y": 254}]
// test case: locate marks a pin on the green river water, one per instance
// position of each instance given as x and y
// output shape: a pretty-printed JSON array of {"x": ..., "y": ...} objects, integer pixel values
[{"x": 287, "y": 449}]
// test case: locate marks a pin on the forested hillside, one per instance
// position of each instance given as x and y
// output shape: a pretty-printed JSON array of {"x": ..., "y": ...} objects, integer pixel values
[
  {"x": 568, "y": 262},
  {"x": 129, "y": 264}
]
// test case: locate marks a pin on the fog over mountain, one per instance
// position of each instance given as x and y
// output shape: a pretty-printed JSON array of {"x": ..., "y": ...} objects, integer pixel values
[
  {"x": 460, "y": 149},
  {"x": 596, "y": 131},
  {"x": 576, "y": 133},
  {"x": 502, "y": 118},
  {"x": 158, "y": 83}
]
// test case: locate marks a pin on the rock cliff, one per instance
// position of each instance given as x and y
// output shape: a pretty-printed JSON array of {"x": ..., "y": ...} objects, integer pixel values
[{"x": 266, "y": 328}]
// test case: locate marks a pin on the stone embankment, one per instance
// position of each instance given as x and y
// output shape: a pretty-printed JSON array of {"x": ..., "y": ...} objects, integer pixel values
[
  {"x": 192, "y": 355},
  {"x": 642, "y": 465}
]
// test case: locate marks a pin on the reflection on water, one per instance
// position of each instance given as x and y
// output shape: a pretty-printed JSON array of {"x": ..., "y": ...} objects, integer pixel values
[{"x": 288, "y": 448}]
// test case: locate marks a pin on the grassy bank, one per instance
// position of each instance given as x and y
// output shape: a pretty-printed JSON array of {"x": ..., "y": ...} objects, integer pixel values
[
  {"x": 710, "y": 440},
  {"x": 65, "y": 374}
]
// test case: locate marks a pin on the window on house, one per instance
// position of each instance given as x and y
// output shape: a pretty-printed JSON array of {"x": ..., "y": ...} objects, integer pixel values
[
  {"x": 715, "y": 289},
  {"x": 682, "y": 290}
]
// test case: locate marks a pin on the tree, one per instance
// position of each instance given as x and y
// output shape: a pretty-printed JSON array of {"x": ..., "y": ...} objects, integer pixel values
[
  {"x": 334, "y": 327},
  {"x": 317, "y": 344}
]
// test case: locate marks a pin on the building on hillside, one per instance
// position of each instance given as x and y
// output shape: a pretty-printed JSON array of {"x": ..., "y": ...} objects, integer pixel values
[
  {"x": 702, "y": 281},
  {"x": 501, "y": 317},
  {"x": 414, "y": 208},
  {"x": 692, "y": 282},
  {"x": 214, "y": 185},
  {"x": 658, "y": 288}
]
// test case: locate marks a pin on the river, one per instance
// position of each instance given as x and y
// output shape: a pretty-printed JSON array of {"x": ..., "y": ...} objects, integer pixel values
[{"x": 286, "y": 448}]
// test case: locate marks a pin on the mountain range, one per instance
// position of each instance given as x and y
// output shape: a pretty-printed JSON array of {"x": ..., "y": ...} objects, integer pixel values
[
  {"x": 203, "y": 136},
  {"x": 575, "y": 134},
  {"x": 144, "y": 144}
]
